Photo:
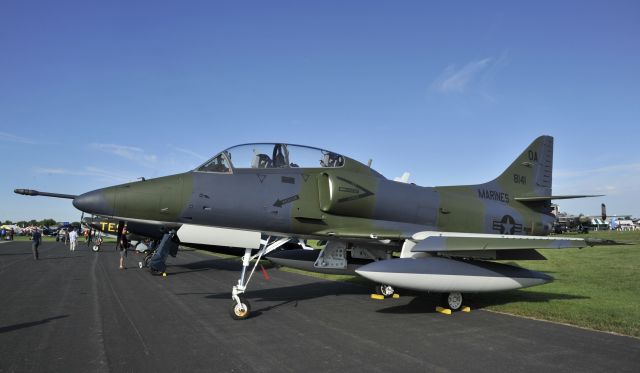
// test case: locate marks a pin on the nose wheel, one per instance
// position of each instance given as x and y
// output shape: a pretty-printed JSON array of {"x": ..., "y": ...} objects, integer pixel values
[{"x": 240, "y": 310}]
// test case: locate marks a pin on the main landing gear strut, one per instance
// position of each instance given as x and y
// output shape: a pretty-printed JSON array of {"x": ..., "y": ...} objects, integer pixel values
[{"x": 241, "y": 308}]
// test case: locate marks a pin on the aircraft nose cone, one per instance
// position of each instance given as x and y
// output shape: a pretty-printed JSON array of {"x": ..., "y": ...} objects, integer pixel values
[{"x": 94, "y": 202}]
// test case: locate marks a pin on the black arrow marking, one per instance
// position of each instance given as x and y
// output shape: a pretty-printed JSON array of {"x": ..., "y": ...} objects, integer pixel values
[
  {"x": 305, "y": 177},
  {"x": 279, "y": 202},
  {"x": 261, "y": 177},
  {"x": 365, "y": 191}
]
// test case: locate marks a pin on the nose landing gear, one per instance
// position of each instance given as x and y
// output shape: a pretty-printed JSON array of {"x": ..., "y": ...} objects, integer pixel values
[{"x": 240, "y": 308}]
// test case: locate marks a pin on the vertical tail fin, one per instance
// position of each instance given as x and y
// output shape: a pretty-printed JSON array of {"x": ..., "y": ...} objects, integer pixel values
[{"x": 531, "y": 173}]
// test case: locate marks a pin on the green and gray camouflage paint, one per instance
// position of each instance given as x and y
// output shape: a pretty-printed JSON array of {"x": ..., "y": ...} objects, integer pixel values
[{"x": 352, "y": 201}]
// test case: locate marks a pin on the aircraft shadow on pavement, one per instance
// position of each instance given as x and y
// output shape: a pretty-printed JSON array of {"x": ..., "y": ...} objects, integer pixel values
[
  {"x": 10, "y": 328},
  {"x": 291, "y": 294},
  {"x": 421, "y": 302},
  {"x": 425, "y": 303},
  {"x": 224, "y": 264},
  {"x": 294, "y": 294}
]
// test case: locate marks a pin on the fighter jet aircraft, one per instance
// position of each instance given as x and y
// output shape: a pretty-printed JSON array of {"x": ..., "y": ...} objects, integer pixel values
[{"x": 446, "y": 236}]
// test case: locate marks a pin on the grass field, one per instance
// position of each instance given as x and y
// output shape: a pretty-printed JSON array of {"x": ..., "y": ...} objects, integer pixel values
[{"x": 596, "y": 287}]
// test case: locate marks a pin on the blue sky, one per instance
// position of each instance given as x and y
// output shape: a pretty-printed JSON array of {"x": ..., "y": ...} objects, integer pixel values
[{"x": 94, "y": 93}]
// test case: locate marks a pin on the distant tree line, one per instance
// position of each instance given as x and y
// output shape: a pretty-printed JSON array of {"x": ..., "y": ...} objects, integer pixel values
[{"x": 38, "y": 223}]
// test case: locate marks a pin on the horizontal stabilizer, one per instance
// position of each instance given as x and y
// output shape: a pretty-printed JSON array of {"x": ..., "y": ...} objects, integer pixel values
[
  {"x": 430, "y": 241},
  {"x": 549, "y": 198}
]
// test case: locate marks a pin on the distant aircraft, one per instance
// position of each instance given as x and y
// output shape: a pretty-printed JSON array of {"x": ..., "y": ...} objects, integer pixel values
[
  {"x": 580, "y": 223},
  {"x": 446, "y": 236},
  {"x": 16, "y": 229}
]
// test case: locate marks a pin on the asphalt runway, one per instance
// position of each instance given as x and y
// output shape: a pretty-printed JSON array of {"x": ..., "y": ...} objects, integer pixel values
[{"x": 77, "y": 312}]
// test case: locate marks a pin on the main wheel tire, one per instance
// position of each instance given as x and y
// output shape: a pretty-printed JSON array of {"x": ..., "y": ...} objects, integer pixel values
[
  {"x": 452, "y": 301},
  {"x": 240, "y": 311},
  {"x": 95, "y": 248},
  {"x": 385, "y": 290}
]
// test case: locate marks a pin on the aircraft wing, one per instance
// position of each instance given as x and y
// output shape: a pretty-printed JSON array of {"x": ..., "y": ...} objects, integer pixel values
[
  {"x": 549, "y": 198},
  {"x": 429, "y": 241}
]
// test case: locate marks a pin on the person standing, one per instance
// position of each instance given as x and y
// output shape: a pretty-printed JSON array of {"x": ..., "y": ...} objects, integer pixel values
[
  {"x": 123, "y": 245},
  {"x": 89, "y": 236},
  {"x": 73, "y": 239},
  {"x": 36, "y": 238}
]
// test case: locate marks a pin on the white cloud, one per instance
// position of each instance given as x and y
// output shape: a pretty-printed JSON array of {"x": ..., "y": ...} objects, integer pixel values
[
  {"x": 630, "y": 167},
  {"x": 458, "y": 80},
  {"x": 7, "y": 137},
  {"x": 189, "y": 152},
  {"x": 476, "y": 77},
  {"x": 614, "y": 180},
  {"x": 108, "y": 175},
  {"x": 56, "y": 171},
  {"x": 404, "y": 178},
  {"x": 88, "y": 171},
  {"x": 131, "y": 153}
]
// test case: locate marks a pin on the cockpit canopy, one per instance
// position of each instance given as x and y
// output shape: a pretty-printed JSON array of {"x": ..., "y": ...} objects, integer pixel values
[{"x": 264, "y": 155}]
